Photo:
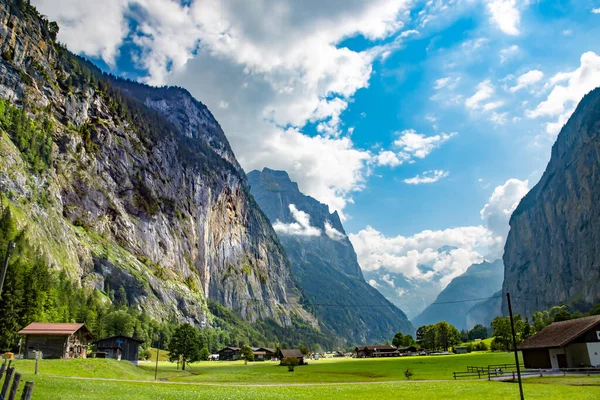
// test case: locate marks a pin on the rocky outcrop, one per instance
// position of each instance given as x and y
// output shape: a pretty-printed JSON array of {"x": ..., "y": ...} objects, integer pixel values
[
  {"x": 483, "y": 313},
  {"x": 324, "y": 262},
  {"x": 143, "y": 190},
  {"x": 552, "y": 255},
  {"x": 479, "y": 281}
]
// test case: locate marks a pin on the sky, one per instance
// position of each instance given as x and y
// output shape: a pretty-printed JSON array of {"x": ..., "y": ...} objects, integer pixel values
[{"x": 422, "y": 123}]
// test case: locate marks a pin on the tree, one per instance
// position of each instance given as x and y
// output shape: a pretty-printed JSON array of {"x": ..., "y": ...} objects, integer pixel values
[
  {"x": 408, "y": 341},
  {"x": 204, "y": 354},
  {"x": 247, "y": 354},
  {"x": 303, "y": 349},
  {"x": 478, "y": 332},
  {"x": 291, "y": 363},
  {"x": 398, "y": 339},
  {"x": 184, "y": 345}
]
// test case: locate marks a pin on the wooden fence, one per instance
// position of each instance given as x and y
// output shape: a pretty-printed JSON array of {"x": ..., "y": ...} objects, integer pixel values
[
  {"x": 478, "y": 372},
  {"x": 8, "y": 391}
]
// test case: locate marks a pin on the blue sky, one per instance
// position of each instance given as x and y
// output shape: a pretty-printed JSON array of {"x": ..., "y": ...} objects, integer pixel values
[{"x": 422, "y": 123}]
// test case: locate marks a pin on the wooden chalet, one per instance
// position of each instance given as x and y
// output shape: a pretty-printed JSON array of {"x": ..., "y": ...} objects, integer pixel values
[
  {"x": 56, "y": 340},
  {"x": 292, "y": 353},
  {"x": 381, "y": 350},
  {"x": 407, "y": 350},
  {"x": 229, "y": 354},
  {"x": 263, "y": 353},
  {"x": 567, "y": 344},
  {"x": 119, "y": 348}
]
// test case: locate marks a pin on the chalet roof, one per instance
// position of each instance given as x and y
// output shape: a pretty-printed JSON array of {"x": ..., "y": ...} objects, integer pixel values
[
  {"x": 267, "y": 349},
  {"x": 386, "y": 347},
  {"x": 230, "y": 348},
  {"x": 259, "y": 353},
  {"x": 292, "y": 353},
  {"x": 406, "y": 348},
  {"x": 44, "y": 328},
  {"x": 120, "y": 336},
  {"x": 560, "y": 334}
]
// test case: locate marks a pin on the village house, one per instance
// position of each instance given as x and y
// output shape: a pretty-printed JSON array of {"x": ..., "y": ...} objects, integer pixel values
[
  {"x": 263, "y": 353},
  {"x": 567, "y": 344},
  {"x": 293, "y": 353},
  {"x": 381, "y": 350},
  {"x": 119, "y": 348},
  {"x": 56, "y": 340},
  {"x": 408, "y": 350},
  {"x": 229, "y": 354}
]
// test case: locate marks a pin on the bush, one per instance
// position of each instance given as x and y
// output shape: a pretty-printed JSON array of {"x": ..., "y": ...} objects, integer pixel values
[
  {"x": 291, "y": 363},
  {"x": 481, "y": 346},
  {"x": 470, "y": 347},
  {"x": 204, "y": 354},
  {"x": 408, "y": 373},
  {"x": 498, "y": 345}
]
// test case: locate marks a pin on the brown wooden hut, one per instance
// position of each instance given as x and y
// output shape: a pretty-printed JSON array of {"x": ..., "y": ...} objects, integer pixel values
[
  {"x": 56, "y": 340},
  {"x": 119, "y": 347},
  {"x": 293, "y": 353}
]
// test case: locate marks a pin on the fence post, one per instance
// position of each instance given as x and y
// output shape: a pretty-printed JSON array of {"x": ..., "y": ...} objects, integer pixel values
[
  {"x": 9, "y": 374},
  {"x": 454, "y": 373},
  {"x": 15, "y": 385},
  {"x": 27, "y": 391},
  {"x": 2, "y": 370}
]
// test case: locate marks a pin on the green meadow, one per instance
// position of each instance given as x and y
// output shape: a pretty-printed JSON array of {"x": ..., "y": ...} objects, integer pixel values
[{"x": 330, "y": 378}]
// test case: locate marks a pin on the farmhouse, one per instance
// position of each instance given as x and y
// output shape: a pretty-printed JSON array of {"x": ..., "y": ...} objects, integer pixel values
[
  {"x": 293, "y": 353},
  {"x": 263, "y": 353},
  {"x": 119, "y": 347},
  {"x": 381, "y": 350},
  {"x": 56, "y": 340},
  {"x": 407, "y": 350},
  {"x": 566, "y": 344},
  {"x": 229, "y": 354}
]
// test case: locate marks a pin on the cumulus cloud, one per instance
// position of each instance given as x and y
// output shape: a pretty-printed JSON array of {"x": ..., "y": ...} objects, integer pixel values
[
  {"x": 505, "y": 15},
  {"x": 568, "y": 88},
  {"x": 427, "y": 177},
  {"x": 408, "y": 255},
  {"x": 417, "y": 145},
  {"x": 502, "y": 203},
  {"x": 301, "y": 227},
  {"x": 374, "y": 283},
  {"x": 388, "y": 158},
  {"x": 485, "y": 90},
  {"x": 527, "y": 79},
  {"x": 333, "y": 233},
  {"x": 596, "y": 11}
]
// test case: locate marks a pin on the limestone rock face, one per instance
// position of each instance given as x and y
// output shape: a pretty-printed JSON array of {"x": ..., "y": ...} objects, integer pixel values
[
  {"x": 324, "y": 262},
  {"x": 552, "y": 254},
  {"x": 143, "y": 191}
]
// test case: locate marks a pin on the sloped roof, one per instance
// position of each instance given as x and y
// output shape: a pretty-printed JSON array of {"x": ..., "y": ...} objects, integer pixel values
[
  {"x": 230, "y": 348},
  {"x": 120, "y": 336},
  {"x": 45, "y": 328},
  {"x": 378, "y": 347},
  {"x": 560, "y": 334},
  {"x": 292, "y": 353}
]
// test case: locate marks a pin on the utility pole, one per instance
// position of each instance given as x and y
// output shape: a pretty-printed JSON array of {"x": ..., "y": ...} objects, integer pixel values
[
  {"x": 11, "y": 245},
  {"x": 514, "y": 338}
]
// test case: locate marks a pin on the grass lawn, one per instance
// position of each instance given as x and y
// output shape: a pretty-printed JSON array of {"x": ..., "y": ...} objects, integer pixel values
[{"x": 487, "y": 341}]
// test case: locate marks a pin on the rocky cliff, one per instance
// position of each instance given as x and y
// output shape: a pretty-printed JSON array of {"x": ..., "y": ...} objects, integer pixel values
[
  {"x": 478, "y": 282},
  {"x": 139, "y": 188},
  {"x": 552, "y": 255},
  {"x": 324, "y": 262}
]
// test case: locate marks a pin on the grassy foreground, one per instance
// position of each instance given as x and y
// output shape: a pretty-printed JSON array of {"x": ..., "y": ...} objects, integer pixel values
[{"x": 332, "y": 378}]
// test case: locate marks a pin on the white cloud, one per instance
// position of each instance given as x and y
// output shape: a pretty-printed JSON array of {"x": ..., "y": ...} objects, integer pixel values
[
  {"x": 389, "y": 280},
  {"x": 223, "y": 104},
  {"x": 500, "y": 207},
  {"x": 508, "y": 53},
  {"x": 427, "y": 177},
  {"x": 568, "y": 88},
  {"x": 596, "y": 11},
  {"x": 389, "y": 158},
  {"x": 505, "y": 15},
  {"x": 301, "y": 227},
  {"x": 333, "y": 233},
  {"x": 527, "y": 79},
  {"x": 405, "y": 254},
  {"x": 442, "y": 82},
  {"x": 413, "y": 144},
  {"x": 485, "y": 90},
  {"x": 374, "y": 283},
  {"x": 94, "y": 28}
]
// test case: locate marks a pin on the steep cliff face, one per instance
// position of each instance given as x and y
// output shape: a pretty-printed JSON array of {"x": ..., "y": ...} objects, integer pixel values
[
  {"x": 552, "y": 255},
  {"x": 142, "y": 190},
  {"x": 324, "y": 262},
  {"x": 478, "y": 282}
]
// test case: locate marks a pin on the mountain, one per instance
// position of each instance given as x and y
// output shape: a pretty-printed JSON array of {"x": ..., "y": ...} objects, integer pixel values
[
  {"x": 483, "y": 313},
  {"x": 552, "y": 255},
  {"x": 324, "y": 262},
  {"x": 126, "y": 185},
  {"x": 478, "y": 282}
]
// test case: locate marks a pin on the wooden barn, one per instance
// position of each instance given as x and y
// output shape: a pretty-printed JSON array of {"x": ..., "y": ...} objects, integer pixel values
[
  {"x": 263, "y": 353},
  {"x": 229, "y": 354},
  {"x": 56, "y": 340},
  {"x": 567, "y": 344},
  {"x": 381, "y": 350},
  {"x": 119, "y": 347},
  {"x": 293, "y": 353}
]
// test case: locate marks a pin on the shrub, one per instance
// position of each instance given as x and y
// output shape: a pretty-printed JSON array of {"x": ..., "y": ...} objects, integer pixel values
[
  {"x": 498, "y": 345},
  {"x": 291, "y": 363},
  {"x": 204, "y": 354},
  {"x": 408, "y": 373},
  {"x": 481, "y": 346}
]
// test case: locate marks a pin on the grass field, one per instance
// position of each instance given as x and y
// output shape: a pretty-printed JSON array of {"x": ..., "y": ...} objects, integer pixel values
[{"x": 332, "y": 378}]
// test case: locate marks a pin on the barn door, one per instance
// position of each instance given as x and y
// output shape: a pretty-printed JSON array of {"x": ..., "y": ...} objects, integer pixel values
[{"x": 562, "y": 360}]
